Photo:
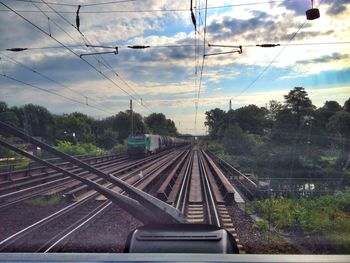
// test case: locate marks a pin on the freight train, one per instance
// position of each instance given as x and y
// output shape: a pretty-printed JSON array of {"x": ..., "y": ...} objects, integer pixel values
[{"x": 145, "y": 144}]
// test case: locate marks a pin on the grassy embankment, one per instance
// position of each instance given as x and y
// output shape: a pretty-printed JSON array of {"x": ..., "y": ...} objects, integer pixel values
[{"x": 328, "y": 215}]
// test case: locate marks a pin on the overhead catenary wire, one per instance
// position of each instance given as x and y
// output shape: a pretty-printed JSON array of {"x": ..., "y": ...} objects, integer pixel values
[
  {"x": 195, "y": 63},
  {"x": 202, "y": 67},
  {"x": 152, "y": 10},
  {"x": 188, "y": 45},
  {"x": 74, "y": 5},
  {"x": 274, "y": 59},
  {"x": 87, "y": 44},
  {"x": 69, "y": 35},
  {"x": 47, "y": 78},
  {"x": 73, "y": 52},
  {"x": 62, "y": 29},
  {"x": 105, "y": 63},
  {"x": 54, "y": 93}
]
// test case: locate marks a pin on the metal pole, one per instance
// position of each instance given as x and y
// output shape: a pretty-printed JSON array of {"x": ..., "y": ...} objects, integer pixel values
[{"x": 132, "y": 118}]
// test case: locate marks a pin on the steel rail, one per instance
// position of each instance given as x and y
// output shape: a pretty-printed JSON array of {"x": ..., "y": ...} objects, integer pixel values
[
  {"x": 59, "y": 237},
  {"x": 60, "y": 183},
  {"x": 212, "y": 209},
  {"x": 72, "y": 228},
  {"x": 181, "y": 200},
  {"x": 127, "y": 203},
  {"x": 160, "y": 210}
]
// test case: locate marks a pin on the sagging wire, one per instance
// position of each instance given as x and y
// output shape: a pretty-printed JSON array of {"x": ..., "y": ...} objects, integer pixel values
[
  {"x": 275, "y": 58},
  {"x": 69, "y": 49},
  {"x": 16, "y": 62},
  {"x": 2, "y": 66},
  {"x": 88, "y": 44},
  {"x": 53, "y": 93}
]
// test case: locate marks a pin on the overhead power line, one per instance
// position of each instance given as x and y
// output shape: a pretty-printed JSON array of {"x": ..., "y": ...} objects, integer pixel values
[
  {"x": 105, "y": 63},
  {"x": 153, "y": 10},
  {"x": 275, "y": 58},
  {"x": 63, "y": 30},
  {"x": 47, "y": 78},
  {"x": 74, "y": 5},
  {"x": 188, "y": 45},
  {"x": 73, "y": 52},
  {"x": 202, "y": 67},
  {"x": 54, "y": 93}
]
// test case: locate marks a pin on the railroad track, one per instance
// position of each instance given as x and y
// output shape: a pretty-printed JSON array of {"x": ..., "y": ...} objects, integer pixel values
[
  {"x": 186, "y": 178},
  {"x": 29, "y": 186},
  {"x": 56, "y": 184},
  {"x": 53, "y": 229},
  {"x": 202, "y": 193}
]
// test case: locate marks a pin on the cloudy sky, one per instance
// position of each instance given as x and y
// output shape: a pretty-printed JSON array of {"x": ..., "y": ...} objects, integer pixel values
[{"x": 167, "y": 77}]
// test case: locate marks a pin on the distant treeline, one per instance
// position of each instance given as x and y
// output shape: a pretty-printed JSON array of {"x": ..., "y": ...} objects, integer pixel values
[
  {"x": 293, "y": 138},
  {"x": 79, "y": 128}
]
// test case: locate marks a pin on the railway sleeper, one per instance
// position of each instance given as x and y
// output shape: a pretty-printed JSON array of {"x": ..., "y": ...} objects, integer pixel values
[
  {"x": 218, "y": 196},
  {"x": 228, "y": 225},
  {"x": 25, "y": 174},
  {"x": 195, "y": 213},
  {"x": 71, "y": 187},
  {"x": 179, "y": 180},
  {"x": 42, "y": 179},
  {"x": 153, "y": 178},
  {"x": 225, "y": 186},
  {"x": 72, "y": 195},
  {"x": 170, "y": 181}
]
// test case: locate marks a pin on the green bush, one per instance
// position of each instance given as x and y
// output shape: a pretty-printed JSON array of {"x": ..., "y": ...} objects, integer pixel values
[
  {"x": 79, "y": 149},
  {"x": 329, "y": 214},
  {"x": 92, "y": 149},
  {"x": 44, "y": 202},
  {"x": 120, "y": 147},
  {"x": 261, "y": 225}
]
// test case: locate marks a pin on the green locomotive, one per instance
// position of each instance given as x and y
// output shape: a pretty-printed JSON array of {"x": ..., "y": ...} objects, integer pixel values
[{"x": 145, "y": 144}]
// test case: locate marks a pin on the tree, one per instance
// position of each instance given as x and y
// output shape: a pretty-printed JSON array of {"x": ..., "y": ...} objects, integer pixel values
[
  {"x": 331, "y": 106},
  {"x": 74, "y": 127},
  {"x": 251, "y": 118},
  {"x": 297, "y": 101},
  {"x": 273, "y": 108},
  {"x": 323, "y": 114},
  {"x": 35, "y": 119},
  {"x": 122, "y": 124},
  {"x": 346, "y": 106},
  {"x": 235, "y": 141},
  {"x": 339, "y": 123},
  {"x": 108, "y": 139},
  {"x": 8, "y": 116},
  {"x": 159, "y": 124},
  {"x": 285, "y": 126},
  {"x": 214, "y": 119},
  {"x": 299, "y": 104}
]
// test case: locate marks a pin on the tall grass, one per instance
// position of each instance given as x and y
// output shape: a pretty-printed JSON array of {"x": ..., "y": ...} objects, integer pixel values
[{"x": 328, "y": 215}]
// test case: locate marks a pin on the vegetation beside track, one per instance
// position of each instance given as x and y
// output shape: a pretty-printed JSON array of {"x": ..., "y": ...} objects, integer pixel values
[
  {"x": 80, "y": 128},
  {"x": 293, "y": 140},
  {"x": 54, "y": 200},
  {"x": 79, "y": 148},
  {"x": 328, "y": 215}
]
